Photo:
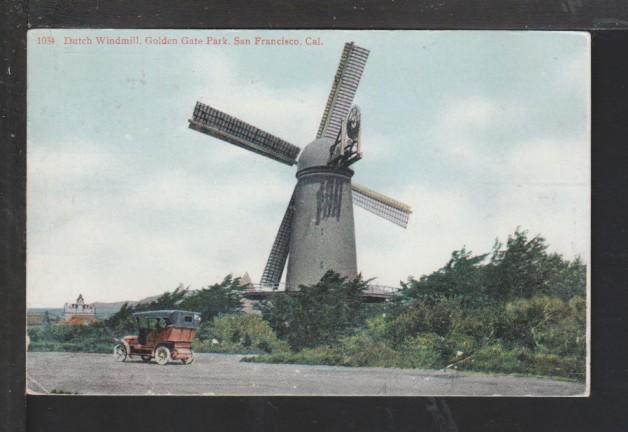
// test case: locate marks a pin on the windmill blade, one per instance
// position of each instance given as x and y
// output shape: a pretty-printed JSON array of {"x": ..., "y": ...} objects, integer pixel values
[
  {"x": 279, "y": 252},
  {"x": 343, "y": 90},
  {"x": 381, "y": 205},
  {"x": 220, "y": 125}
]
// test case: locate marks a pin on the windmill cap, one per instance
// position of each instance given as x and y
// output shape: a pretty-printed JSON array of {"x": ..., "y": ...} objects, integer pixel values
[{"x": 315, "y": 154}]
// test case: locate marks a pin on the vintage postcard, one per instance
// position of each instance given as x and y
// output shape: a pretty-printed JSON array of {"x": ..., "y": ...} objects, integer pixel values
[{"x": 235, "y": 212}]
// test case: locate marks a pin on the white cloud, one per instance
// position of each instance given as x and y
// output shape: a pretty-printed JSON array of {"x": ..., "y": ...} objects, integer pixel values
[
  {"x": 287, "y": 112},
  {"x": 459, "y": 122},
  {"x": 549, "y": 162},
  {"x": 376, "y": 146},
  {"x": 180, "y": 189},
  {"x": 67, "y": 161},
  {"x": 464, "y": 125},
  {"x": 470, "y": 112}
]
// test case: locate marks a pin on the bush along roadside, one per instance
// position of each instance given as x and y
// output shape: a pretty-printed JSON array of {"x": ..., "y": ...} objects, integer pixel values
[
  {"x": 548, "y": 342},
  {"x": 92, "y": 338},
  {"x": 238, "y": 334}
]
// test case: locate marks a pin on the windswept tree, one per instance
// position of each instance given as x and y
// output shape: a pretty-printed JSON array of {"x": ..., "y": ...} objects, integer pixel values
[
  {"x": 217, "y": 299},
  {"x": 461, "y": 278},
  {"x": 521, "y": 268},
  {"x": 123, "y": 322},
  {"x": 214, "y": 300},
  {"x": 317, "y": 314}
]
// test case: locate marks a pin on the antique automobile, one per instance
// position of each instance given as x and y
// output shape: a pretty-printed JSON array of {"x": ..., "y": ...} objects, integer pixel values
[{"x": 163, "y": 335}]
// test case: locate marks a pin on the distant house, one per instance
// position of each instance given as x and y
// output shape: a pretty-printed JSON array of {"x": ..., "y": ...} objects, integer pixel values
[{"x": 79, "y": 313}]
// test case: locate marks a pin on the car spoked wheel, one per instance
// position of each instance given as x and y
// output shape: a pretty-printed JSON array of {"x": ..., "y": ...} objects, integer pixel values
[
  {"x": 187, "y": 361},
  {"x": 119, "y": 352},
  {"x": 162, "y": 355}
]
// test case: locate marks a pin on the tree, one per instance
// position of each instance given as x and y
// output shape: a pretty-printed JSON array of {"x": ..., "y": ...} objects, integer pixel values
[
  {"x": 217, "y": 299},
  {"x": 317, "y": 314},
  {"x": 524, "y": 269},
  {"x": 521, "y": 268},
  {"x": 462, "y": 278},
  {"x": 46, "y": 320},
  {"x": 121, "y": 321},
  {"x": 168, "y": 300}
]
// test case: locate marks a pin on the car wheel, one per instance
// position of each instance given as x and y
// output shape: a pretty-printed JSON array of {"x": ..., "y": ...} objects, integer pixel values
[
  {"x": 162, "y": 355},
  {"x": 119, "y": 352},
  {"x": 187, "y": 361},
  {"x": 146, "y": 358}
]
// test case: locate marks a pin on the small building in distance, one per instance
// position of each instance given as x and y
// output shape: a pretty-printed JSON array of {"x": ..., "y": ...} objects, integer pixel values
[{"x": 79, "y": 313}]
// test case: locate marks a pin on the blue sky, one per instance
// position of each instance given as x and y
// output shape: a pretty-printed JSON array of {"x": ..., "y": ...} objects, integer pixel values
[{"x": 480, "y": 132}]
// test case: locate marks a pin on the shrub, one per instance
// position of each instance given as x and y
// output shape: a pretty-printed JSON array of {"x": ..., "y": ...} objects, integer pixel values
[
  {"x": 546, "y": 325},
  {"x": 422, "y": 316},
  {"x": 362, "y": 350},
  {"x": 94, "y": 338},
  {"x": 313, "y": 356},
  {"x": 461, "y": 343},
  {"x": 481, "y": 323},
  {"x": 424, "y": 351},
  {"x": 377, "y": 327},
  {"x": 495, "y": 358},
  {"x": 86, "y": 346},
  {"x": 357, "y": 350},
  {"x": 244, "y": 334}
]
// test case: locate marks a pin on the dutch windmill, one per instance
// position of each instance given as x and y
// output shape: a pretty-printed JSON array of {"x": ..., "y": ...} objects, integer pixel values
[{"x": 317, "y": 231}]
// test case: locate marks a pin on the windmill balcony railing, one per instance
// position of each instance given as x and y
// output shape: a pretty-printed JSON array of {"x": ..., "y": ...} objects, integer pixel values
[
  {"x": 266, "y": 287},
  {"x": 372, "y": 290},
  {"x": 384, "y": 290}
]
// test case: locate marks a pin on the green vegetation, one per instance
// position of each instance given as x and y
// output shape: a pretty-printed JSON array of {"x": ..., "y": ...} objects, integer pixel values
[
  {"x": 239, "y": 334},
  {"x": 318, "y": 314},
  {"x": 552, "y": 343},
  {"x": 517, "y": 309},
  {"x": 214, "y": 300},
  {"x": 95, "y": 337}
]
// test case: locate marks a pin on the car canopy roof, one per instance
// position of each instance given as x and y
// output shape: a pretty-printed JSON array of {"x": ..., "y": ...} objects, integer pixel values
[{"x": 177, "y": 318}]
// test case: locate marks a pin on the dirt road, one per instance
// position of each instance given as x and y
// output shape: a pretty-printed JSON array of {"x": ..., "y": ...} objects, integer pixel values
[{"x": 220, "y": 374}]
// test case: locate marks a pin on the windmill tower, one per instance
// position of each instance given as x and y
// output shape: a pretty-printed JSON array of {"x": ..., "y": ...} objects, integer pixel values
[{"x": 317, "y": 231}]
